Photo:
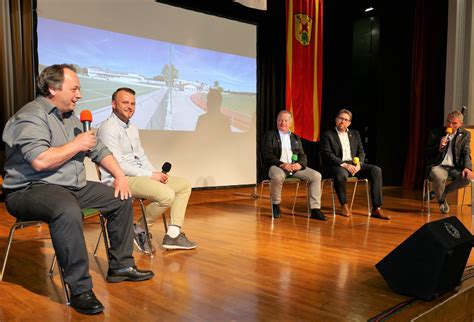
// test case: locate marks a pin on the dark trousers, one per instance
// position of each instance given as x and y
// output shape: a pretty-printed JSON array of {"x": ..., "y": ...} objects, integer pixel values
[
  {"x": 367, "y": 171},
  {"x": 61, "y": 208}
]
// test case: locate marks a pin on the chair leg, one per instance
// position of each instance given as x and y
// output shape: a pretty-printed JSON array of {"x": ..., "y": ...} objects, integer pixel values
[
  {"x": 7, "y": 249},
  {"x": 369, "y": 211},
  {"x": 98, "y": 242},
  {"x": 105, "y": 236},
  {"x": 428, "y": 202},
  {"x": 353, "y": 195},
  {"x": 145, "y": 224},
  {"x": 333, "y": 200},
  {"x": 296, "y": 196},
  {"x": 165, "y": 224},
  {"x": 51, "y": 268},
  {"x": 260, "y": 199},
  {"x": 64, "y": 285},
  {"x": 332, "y": 195},
  {"x": 307, "y": 200}
]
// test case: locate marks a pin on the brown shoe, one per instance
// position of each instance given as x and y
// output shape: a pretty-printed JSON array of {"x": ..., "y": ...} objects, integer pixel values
[
  {"x": 378, "y": 213},
  {"x": 345, "y": 211}
]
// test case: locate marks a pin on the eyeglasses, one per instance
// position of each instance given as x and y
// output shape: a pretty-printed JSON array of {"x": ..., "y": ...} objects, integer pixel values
[{"x": 343, "y": 119}]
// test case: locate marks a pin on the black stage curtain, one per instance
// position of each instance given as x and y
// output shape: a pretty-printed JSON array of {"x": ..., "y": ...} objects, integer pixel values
[{"x": 428, "y": 81}]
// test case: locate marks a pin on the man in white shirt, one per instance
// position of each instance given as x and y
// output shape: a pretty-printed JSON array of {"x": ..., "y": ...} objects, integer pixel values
[
  {"x": 164, "y": 191},
  {"x": 283, "y": 155}
]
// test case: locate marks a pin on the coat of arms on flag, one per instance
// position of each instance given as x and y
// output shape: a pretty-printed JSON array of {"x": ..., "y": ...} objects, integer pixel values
[{"x": 303, "y": 25}]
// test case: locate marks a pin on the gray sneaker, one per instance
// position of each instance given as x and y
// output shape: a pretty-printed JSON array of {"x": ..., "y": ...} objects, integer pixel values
[
  {"x": 141, "y": 241},
  {"x": 180, "y": 242},
  {"x": 444, "y": 207}
]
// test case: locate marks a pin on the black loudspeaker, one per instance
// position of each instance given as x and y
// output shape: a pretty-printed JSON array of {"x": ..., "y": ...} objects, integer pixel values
[{"x": 431, "y": 261}]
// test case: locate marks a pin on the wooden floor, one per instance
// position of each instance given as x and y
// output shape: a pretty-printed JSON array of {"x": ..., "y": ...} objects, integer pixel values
[{"x": 247, "y": 267}]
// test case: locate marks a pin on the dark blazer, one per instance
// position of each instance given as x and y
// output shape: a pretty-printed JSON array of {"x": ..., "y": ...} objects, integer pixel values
[
  {"x": 331, "y": 147},
  {"x": 272, "y": 149},
  {"x": 461, "y": 144}
]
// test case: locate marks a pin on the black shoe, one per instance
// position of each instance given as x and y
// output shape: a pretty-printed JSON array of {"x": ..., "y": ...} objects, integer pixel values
[
  {"x": 318, "y": 215},
  {"x": 276, "y": 211},
  {"x": 86, "y": 303},
  {"x": 131, "y": 273}
]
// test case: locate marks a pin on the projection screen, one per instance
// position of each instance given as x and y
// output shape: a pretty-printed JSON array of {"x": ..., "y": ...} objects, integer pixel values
[{"x": 172, "y": 58}]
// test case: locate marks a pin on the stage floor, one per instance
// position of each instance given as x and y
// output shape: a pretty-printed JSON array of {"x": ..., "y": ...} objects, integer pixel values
[{"x": 247, "y": 267}]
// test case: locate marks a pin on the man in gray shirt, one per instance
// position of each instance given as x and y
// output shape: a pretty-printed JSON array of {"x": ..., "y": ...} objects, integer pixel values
[{"x": 45, "y": 180}]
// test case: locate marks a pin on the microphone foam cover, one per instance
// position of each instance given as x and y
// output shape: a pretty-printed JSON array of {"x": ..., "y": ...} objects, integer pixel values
[
  {"x": 449, "y": 130},
  {"x": 166, "y": 167},
  {"x": 86, "y": 115},
  {"x": 356, "y": 160},
  {"x": 294, "y": 157}
]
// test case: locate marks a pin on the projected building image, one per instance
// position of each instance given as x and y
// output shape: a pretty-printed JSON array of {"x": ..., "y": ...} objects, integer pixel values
[{"x": 172, "y": 81}]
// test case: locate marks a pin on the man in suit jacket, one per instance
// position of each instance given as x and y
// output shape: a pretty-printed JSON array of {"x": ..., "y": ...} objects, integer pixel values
[
  {"x": 339, "y": 147},
  {"x": 283, "y": 155},
  {"x": 449, "y": 155}
]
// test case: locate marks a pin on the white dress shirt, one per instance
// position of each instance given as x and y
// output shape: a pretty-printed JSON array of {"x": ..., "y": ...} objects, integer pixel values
[
  {"x": 286, "y": 152},
  {"x": 346, "y": 146},
  {"x": 448, "y": 158},
  {"x": 124, "y": 142}
]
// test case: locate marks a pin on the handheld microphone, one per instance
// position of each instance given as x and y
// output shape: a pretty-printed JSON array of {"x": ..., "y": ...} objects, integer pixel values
[
  {"x": 86, "y": 119},
  {"x": 449, "y": 131},
  {"x": 355, "y": 161},
  {"x": 294, "y": 159},
  {"x": 166, "y": 167}
]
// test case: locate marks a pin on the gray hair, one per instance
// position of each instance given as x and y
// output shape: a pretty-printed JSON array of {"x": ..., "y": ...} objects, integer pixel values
[
  {"x": 456, "y": 114},
  {"x": 284, "y": 112}
]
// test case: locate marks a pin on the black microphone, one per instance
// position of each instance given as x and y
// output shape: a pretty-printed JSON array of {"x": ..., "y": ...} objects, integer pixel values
[
  {"x": 86, "y": 119},
  {"x": 166, "y": 167},
  {"x": 463, "y": 110}
]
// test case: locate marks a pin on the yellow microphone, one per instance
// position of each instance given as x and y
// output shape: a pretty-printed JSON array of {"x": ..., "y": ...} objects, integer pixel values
[
  {"x": 355, "y": 161},
  {"x": 449, "y": 131}
]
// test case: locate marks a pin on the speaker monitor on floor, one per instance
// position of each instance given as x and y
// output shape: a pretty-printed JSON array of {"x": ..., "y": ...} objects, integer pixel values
[{"x": 431, "y": 261}]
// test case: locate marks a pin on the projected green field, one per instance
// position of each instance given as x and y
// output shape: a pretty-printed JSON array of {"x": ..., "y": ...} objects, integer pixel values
[{"x": 97, "y": 93}]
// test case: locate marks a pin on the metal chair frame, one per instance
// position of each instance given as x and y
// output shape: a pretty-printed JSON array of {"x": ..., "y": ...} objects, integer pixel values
[
  {"x": 354, "y": 180},
  {"x": 426, "y": 201},
  {"x": 292, "y": 180},
  {"x": 142, "y": 218},
  {"x": 23, "y": 224}
]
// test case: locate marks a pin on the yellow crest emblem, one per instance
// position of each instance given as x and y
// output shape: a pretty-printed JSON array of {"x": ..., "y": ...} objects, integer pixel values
[{"x": 303, "y": 24}]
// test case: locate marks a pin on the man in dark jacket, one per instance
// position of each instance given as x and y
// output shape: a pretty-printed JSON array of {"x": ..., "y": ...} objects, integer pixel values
[
  {"x": 283, "y": 155},
  {"x": 448, "y": 154},
  {"x": 343, "y": 155}
]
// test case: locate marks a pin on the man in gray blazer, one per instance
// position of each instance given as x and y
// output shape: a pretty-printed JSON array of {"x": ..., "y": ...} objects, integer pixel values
[
  {"x": 342, "y": 155},
  {"x": 448, "y": 153}
]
